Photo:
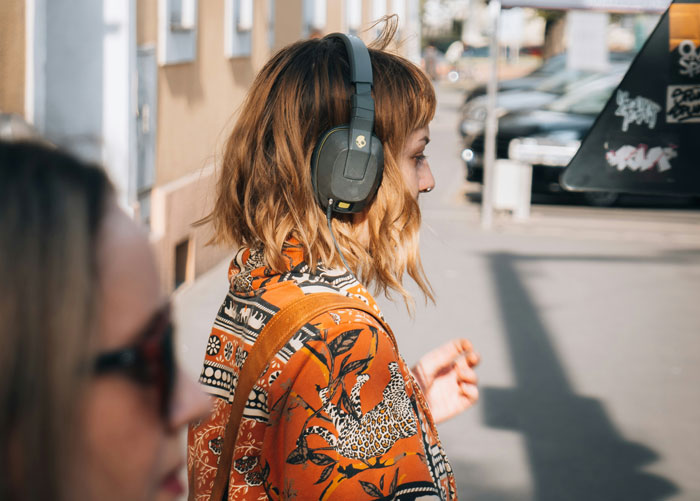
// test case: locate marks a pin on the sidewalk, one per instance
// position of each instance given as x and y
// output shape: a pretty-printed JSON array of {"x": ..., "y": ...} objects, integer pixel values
[{"x": 587, "y": 323}]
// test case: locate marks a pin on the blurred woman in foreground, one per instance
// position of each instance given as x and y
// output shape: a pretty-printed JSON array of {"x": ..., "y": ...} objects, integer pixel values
[{"x": 91, "y": 397}]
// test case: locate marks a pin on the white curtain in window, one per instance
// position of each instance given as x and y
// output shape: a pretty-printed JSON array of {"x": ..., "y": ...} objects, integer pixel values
[
  {"x": 398, "y": 7},
  {"x": 245, "y": 15},
  {"x": 319, "y": 14},
  {"x": 188, "y": 14},
  {"x": 378, "y": 9},
  {"x": 353, "y": 14}
]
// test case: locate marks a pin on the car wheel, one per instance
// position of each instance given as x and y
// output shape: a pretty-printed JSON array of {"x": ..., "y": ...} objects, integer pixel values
[{"x": 601, "y": 198}]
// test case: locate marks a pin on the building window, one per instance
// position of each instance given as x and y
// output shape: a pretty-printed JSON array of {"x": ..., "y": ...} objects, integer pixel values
[
  {"x": 147, "y": 100},
  {"x": 182, "y": 262},
  {"x": 353, "y": 15},
  {"x": 314, "y": 18},
  {"x": 238, "y": 27},
  {"x": 271, "y": 23},
  {"x": 177, "y": 27},
  {"x": 183, "y": 15},
  {"x": 378, "y": 9},
  {"x": 398, "y": 7}
]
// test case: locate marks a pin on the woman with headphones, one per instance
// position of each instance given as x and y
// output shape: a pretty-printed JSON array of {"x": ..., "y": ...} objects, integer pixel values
[{"x": 319, "y": 185}]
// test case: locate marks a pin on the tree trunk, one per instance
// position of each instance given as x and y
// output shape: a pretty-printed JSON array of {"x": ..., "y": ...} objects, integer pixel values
[{"x": 554, "y": 34}]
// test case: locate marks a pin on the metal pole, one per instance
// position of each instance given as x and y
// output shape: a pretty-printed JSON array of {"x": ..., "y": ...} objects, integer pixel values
[
  {"x": 413, "y": 31},
  {"x": 491, "y": 120}
]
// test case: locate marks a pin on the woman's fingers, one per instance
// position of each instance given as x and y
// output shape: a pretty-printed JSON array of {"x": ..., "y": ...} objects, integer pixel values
[
  {"x": 462, "y": 345},
  {"x": 465, "y": 349},
  {"x": 473, "y": 358},
  {"x": 470, "y": 391},
  {"x": 443, "y": 355},
  {"x": 465, "y": 373},
  {"x": 449, "y": 377}
]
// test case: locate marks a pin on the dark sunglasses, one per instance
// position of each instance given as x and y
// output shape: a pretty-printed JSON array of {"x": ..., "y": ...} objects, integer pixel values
[{"x": 150, "y": 361}]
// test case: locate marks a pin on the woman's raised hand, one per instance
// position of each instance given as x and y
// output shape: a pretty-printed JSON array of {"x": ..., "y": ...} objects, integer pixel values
[{"x": 447, "y": 378}]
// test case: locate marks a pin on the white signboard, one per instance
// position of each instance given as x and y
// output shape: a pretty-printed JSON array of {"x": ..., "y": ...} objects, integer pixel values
[
  {"x": 683, "y": 104},
  {"x": 607, "y": 5},
  {"x": 587, "y": 40}
]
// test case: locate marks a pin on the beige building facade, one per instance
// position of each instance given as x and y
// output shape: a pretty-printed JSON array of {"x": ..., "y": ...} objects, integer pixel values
[
  {"x": 156, "y": 101},
  {"x": 12, "y": 57}
]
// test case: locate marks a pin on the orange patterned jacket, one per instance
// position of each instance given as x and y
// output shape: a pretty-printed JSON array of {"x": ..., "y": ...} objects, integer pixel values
[{"x": 336, "y": 414}]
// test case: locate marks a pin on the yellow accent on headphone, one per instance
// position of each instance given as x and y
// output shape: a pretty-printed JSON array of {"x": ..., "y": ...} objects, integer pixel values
[{"x": 343, "y": 205}]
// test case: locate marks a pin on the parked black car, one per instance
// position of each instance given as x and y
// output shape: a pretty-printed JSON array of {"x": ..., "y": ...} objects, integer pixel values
[
  {"x": 547, "y": 138},
  {"x": 510, "y": 101},
  {"x": 548, "y": 68}
]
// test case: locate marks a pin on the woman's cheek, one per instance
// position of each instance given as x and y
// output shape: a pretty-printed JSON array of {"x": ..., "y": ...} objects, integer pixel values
[{"x": 123, "y": 437}]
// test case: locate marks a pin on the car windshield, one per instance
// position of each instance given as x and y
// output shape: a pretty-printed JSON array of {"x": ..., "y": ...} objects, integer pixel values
[
  {"x": 589, "y": 103},
  {"x": 559, "y": 82},
  {"x": 553, "y": 65},
  {"x": 588, "y": 99}
]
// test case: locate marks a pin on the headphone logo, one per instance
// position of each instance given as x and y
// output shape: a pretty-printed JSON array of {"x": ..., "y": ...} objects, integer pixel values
[{"x": 360, "y": 141}]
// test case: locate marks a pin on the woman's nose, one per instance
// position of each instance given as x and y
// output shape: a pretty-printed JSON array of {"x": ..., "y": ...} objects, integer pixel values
[
  {"x": 189, "y": 402},
  {"x": 427, "y": 181}
]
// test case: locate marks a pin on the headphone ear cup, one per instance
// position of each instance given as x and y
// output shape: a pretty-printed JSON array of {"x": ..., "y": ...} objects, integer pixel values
[
  {"x": 322, "y": 161},
  {"x": 328, "y": 179},
  {"x": 378, "y": 154}
]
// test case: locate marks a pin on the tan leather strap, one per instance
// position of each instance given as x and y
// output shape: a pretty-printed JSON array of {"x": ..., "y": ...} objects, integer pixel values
[{"x": 276, "y": 333}]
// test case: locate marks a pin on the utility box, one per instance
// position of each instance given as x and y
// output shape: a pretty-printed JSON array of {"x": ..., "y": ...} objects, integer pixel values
[{"x": 512, "y": 187}]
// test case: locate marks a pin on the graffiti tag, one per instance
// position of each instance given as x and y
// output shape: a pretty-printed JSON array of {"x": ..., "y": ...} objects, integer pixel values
[
  {"x": 641, "y": 158},
  {"x": 690, "y": 59},
  {"x": 639, "y": 110},
  {"x": 683, "y": 103}
]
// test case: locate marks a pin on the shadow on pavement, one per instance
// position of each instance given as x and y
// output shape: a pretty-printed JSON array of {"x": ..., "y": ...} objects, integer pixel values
[
  {"x": 625, "y": 201},
  {"x": 574, "y": 451},
  {"x": 476, "y": 484}
]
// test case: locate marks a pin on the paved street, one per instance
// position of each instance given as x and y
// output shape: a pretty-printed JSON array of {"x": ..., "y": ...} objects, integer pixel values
[{"x": 587, "y": 321}]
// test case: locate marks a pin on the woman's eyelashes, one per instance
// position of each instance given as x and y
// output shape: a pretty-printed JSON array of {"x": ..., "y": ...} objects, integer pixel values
[{"x": 420, "y": 159}]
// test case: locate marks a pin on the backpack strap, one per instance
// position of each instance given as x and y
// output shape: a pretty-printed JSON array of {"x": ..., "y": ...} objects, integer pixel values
[{"x": 276, "y": 333}]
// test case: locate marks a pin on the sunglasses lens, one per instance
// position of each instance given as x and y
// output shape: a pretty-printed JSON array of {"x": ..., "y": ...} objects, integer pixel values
[
  {"x": 151, "y": 361},
  {"x": 167, "y": 371}
]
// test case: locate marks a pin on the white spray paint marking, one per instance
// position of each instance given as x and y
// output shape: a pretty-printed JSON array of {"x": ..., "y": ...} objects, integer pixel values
[
  {"x": 639, "y": 110},
  {"x": 641, "y": 158},
  {"x": 690, "y": 59}
]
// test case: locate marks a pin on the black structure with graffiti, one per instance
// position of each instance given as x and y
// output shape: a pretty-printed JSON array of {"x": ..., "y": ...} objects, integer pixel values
[{"x": 647, "y": 139}]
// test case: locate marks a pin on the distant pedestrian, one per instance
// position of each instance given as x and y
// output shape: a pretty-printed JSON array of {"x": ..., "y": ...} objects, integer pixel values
[
  {"x": 335, "y": 413},
  {"x": 91, "y": 400},
  {"x": 430, "y": 60}
]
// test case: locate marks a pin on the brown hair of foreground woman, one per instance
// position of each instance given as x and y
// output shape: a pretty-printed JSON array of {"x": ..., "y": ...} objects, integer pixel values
[
  {"x": 90, "y": 401},
  {"x": 264, "y": 192}
]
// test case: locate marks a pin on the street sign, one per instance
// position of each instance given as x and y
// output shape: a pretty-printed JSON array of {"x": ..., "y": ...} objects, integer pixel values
[
  {"x": 646, "y": 140},
  {"x": 606, "y": 5}
]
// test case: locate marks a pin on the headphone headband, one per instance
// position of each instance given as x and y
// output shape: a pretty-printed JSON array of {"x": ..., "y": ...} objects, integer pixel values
[
  {"x": 361, "y": 106},
  {"x": 348, "y": 161},
  {"x": 358, "y": 57}
]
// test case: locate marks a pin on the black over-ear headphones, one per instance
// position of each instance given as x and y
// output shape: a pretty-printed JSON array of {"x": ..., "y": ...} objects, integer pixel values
[{"x": 348, "y": 161}]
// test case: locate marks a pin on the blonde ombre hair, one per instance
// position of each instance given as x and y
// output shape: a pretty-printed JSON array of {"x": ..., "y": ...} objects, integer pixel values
[{"x": 264, "y": 192}]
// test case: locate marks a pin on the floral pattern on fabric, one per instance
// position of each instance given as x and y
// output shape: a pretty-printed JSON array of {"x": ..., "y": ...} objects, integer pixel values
[{"x": 335, "y": 415}]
